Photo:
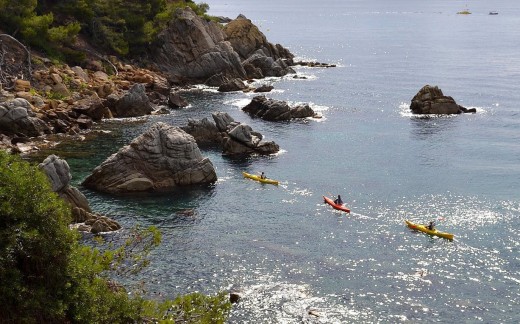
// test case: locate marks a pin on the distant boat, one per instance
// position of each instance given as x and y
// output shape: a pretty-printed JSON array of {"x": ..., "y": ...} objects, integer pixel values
[
  {"x": 493, "y": 12},
  {"x": 464, "y": 12}
]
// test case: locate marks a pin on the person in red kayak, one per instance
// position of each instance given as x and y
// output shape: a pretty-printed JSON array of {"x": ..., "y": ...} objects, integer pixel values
[{"x": 338, "y": 201}]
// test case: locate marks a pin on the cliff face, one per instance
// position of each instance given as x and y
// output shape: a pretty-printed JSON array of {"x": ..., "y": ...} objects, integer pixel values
[
  {"x": 192, "y": 50},
  {"x": 246, "y": 39}
]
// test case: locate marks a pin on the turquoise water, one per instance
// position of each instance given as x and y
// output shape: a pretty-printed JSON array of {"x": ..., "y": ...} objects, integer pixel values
[{"x": 287, "y": 251}]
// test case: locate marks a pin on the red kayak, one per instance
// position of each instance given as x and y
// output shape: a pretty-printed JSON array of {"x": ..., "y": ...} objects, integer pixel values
[{"x": 336, "y": 206}]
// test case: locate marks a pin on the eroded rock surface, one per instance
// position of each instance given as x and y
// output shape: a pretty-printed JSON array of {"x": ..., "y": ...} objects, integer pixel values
[{"x": 160, "y": 159}]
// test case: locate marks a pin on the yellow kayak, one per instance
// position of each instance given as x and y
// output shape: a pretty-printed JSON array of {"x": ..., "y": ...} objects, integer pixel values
[
  {"x": 424, "y": 229},
  {"x": 257, "y": 178}
]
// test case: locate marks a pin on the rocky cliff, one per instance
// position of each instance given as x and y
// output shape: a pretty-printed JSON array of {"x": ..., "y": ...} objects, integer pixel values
[{"x": 192, "y": 50}]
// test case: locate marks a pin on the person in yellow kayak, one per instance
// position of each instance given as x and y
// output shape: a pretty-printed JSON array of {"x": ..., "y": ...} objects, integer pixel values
[
  {"x": 431, "y": 225},
  {"x": 262, "y": 176},
  {"x": 338, "y": 201}
]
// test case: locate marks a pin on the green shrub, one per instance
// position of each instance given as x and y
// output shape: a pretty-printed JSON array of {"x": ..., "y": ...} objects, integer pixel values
[
  {"x": 35, "y": 244},
  {"x": 47, "y": 276}
]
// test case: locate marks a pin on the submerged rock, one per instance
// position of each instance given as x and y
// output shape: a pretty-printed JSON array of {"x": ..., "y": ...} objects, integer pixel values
[{"x": 160, "y": 159}]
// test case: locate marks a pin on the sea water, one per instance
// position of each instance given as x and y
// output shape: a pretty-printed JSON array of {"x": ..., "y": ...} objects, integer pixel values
[{"x": 287, "y": 252}]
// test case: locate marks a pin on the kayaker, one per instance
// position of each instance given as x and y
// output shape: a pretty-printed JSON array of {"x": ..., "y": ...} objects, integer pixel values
[
  {"x": 338, "y": 201},
  {"x": 262, "y": 176},
  {"x": 431, "y": 225}
]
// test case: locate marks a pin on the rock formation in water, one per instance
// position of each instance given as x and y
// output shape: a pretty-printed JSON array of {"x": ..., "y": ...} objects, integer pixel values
[
  {"x": 431, "y": 100},
  {"x": 161, "y": 159},
  {"x": 259, "y": 57},
  {"x": 192, "y": 50},
  {"x": 276, "y": 110},
  {"x": 234, "y": 137}
]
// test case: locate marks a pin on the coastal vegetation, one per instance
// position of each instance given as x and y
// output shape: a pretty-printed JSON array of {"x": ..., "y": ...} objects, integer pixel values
[
  {"x": 123, "y": 28},
  {"x": 47, "y": 275}
]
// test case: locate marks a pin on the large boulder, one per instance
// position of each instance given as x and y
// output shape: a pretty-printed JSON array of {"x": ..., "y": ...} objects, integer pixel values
[
  {"x": 234, "y": 137},
  {"x": 276, "y": 110},
  {"x": 134, "y": 103},
  {"x": 204, "y": 131},
  {"x": 431, "y": 100},
  {"x": 161, "y": 159},
  {"x": 17, "y": 117},
  {"x": 175, "y": 100},
  {"x": 232, "y": 85},
  {"x": 92, "y": 107}
]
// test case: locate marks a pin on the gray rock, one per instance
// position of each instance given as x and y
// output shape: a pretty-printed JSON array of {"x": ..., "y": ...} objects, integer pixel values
[
  {"x": 57, "y": 171},
  {"x": 192, "y": 49},
  {"x": 276, "y": 110},
  {"x": 176, "y": 101},
  {"x": 61, "y": 90},
  {"x": 264, "y": 88},
  {"x": 243, "y": 133},
  {"x": 161, "y": 110},
  {"x": 431, "y": 100},
  {"x": 134, "y": 103},
  {"x": 17, "y": 117},
  {"x": 163, "y": 158},
  {"x": 232, "y": 85},
  {"x": 204, "y": 131},
  {"x": 92, "y": 107},
  {"x": 74, "y": 197},
  {"x": 302, "y": 111},
  {"x": 259, "y": 57},
  {"x": 216, "y": 80},
  {"x": 222, "y": 120},
  {"x": 80, "y": 73},
  {"x": 235, "y": 138}
]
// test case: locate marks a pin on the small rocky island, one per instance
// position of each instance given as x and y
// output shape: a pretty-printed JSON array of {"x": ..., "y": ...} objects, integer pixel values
[
  {"x": 161, "y": 159},
  {"x": 276, "y": 110},
  {"x": 431, "y": 100}
]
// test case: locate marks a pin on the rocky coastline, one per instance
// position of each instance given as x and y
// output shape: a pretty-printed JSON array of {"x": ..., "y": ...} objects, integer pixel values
[
  {"x": 67, "y": 101},
  {"x": 42, "y": 101}
]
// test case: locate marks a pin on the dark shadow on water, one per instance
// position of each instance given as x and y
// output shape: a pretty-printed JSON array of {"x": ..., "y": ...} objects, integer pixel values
[
  {"x": 424, "y": 127},
  {"x": 180, "y": 203}
]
